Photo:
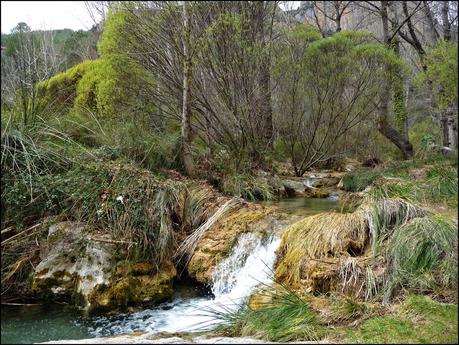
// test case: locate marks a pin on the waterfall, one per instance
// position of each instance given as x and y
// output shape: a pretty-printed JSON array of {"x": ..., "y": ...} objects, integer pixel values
[
  {"x": 308, "y": 182},
  {"x": 249, "y": 263}
]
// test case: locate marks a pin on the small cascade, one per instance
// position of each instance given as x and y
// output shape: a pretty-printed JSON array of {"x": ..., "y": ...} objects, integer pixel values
[{"x": 250, "y": 263}]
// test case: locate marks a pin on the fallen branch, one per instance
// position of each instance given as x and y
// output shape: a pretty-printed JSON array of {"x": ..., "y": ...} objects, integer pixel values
[
  {"x": 4, "y": 231},
  {"x": 110, "y": 241},
  {"x": 21, "y": 304},
  {"x": 19, "y": 234}
]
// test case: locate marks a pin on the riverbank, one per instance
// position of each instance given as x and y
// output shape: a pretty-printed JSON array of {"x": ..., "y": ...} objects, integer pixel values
[{"x": 334, "y": 317}]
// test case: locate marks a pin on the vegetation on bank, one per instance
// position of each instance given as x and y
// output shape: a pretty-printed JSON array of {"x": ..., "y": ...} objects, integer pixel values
[
  {"x": 386, "y": 272},
  {"x": 289, "y": 316}
]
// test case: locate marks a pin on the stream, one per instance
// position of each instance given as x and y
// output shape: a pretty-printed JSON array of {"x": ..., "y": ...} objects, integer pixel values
[{"x": 190, "y": 310}]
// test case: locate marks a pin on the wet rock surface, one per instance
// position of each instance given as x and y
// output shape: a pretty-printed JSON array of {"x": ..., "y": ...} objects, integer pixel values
[
  {"x": 218, "y": 241},
  {"x": 77, "y": 269}
]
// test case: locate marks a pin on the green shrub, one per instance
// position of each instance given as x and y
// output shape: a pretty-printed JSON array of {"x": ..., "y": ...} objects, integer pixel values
[
  {"x": 110, "y": 196},
  {"x": 359, "y": 180}
]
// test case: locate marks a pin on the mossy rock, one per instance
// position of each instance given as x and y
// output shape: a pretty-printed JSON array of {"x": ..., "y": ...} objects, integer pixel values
[
  {"x": 135, "y": 289},
  {"x": 317, "y": 193}
]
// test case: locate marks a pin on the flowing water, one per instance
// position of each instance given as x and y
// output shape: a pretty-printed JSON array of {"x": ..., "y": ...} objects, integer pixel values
[{"x": 249, "y": 264}]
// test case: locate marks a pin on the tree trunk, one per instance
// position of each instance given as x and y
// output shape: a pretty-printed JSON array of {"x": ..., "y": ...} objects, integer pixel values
[
  {"x": 265, "y": 74},
  {"x": 448, "y": 129},
  {"x": 445, "y": 20},
  {"x": 186, "y": 124},
  {"x": 267, "y": 112},
  {"x": 384, "y": 127}
]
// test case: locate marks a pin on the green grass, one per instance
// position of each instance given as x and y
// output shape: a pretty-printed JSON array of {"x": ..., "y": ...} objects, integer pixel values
[
  {"x": 418, "y": 320},
  {"x": 359, "y": 180},
  {"x": 286, "y": 318},
  {"x": 422, "y": 255},
  {"x": 440, "y": 186}
]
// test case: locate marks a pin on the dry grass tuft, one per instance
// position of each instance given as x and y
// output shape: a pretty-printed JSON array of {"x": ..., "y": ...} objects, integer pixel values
[{"x": 339, "y": 252}]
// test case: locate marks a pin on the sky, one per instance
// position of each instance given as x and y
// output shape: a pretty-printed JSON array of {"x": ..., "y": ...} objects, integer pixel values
[
  {"x": 47, "y": 15},
  {"x": 51, "y": 15}
]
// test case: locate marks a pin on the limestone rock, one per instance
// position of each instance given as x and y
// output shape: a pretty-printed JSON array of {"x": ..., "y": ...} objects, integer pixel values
[
  {"x": 294, "y": 187},
  {"x": 71, "y": 267}
]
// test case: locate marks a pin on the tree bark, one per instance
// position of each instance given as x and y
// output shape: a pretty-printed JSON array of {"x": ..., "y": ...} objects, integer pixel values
[
  {"x": 448, "y": 129},
  {"x": 384, "y": 127},
  {"x": 265, "y": 75},
  {"x": 186, "y": 123},
  {"x": 445, "y": 20}
]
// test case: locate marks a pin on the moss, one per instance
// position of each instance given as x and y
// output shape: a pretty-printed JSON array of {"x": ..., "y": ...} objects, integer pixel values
[
  {"x": 58, "y": 93},
  {"x": 134, "y": 290},
  {"x": 317, "y": 193},
  {"x": 42, "y": 285}
]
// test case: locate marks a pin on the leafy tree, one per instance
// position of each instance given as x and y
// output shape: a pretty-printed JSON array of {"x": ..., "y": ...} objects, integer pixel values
[{"x": 326, "y": 87}]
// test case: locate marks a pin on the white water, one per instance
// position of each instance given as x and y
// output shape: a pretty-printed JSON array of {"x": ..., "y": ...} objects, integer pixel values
[{"x": 249, "y": 264}]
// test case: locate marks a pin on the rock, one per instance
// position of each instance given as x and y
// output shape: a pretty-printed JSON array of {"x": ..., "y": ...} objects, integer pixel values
[
  {"x": 79, "y": 270},
  {"x": 317, "y": 193},
  {"x": 294, "y": 187},
  {"x": 148, "y": 338},
  {"x": 273, "y": 181},
  {"x": 136, "y": 287},
  {"x": 71, "y": 267},
  {"x": 218, "y": 241},
  {"x": 317, "y": 183}
]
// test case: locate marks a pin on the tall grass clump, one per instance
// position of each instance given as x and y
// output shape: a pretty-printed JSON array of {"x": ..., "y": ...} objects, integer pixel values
[
  {"x": 439, "y": 187},
  {"x": 357, "y": 181},
  {"x": 342, "y": 251},
  {"x": 422, "y": 255},
  {"x": 248, "y": 187},
  {"x": 286, "y": 317}
]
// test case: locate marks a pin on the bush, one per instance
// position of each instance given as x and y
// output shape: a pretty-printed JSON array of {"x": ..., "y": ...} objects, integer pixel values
[
  {"x": 130, "y": 203},
  {"x": 359, "y": 180}
]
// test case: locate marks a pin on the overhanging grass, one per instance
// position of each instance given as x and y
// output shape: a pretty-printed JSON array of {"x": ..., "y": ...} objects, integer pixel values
[
  {"x": 329, "y": 250},
  {"x": 439, "y": 186},
  {"x": 359, "y": 180}
]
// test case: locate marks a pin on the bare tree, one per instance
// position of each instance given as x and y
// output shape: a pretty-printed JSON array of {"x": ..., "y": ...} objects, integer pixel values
[{"x": 32, "y": 60}]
